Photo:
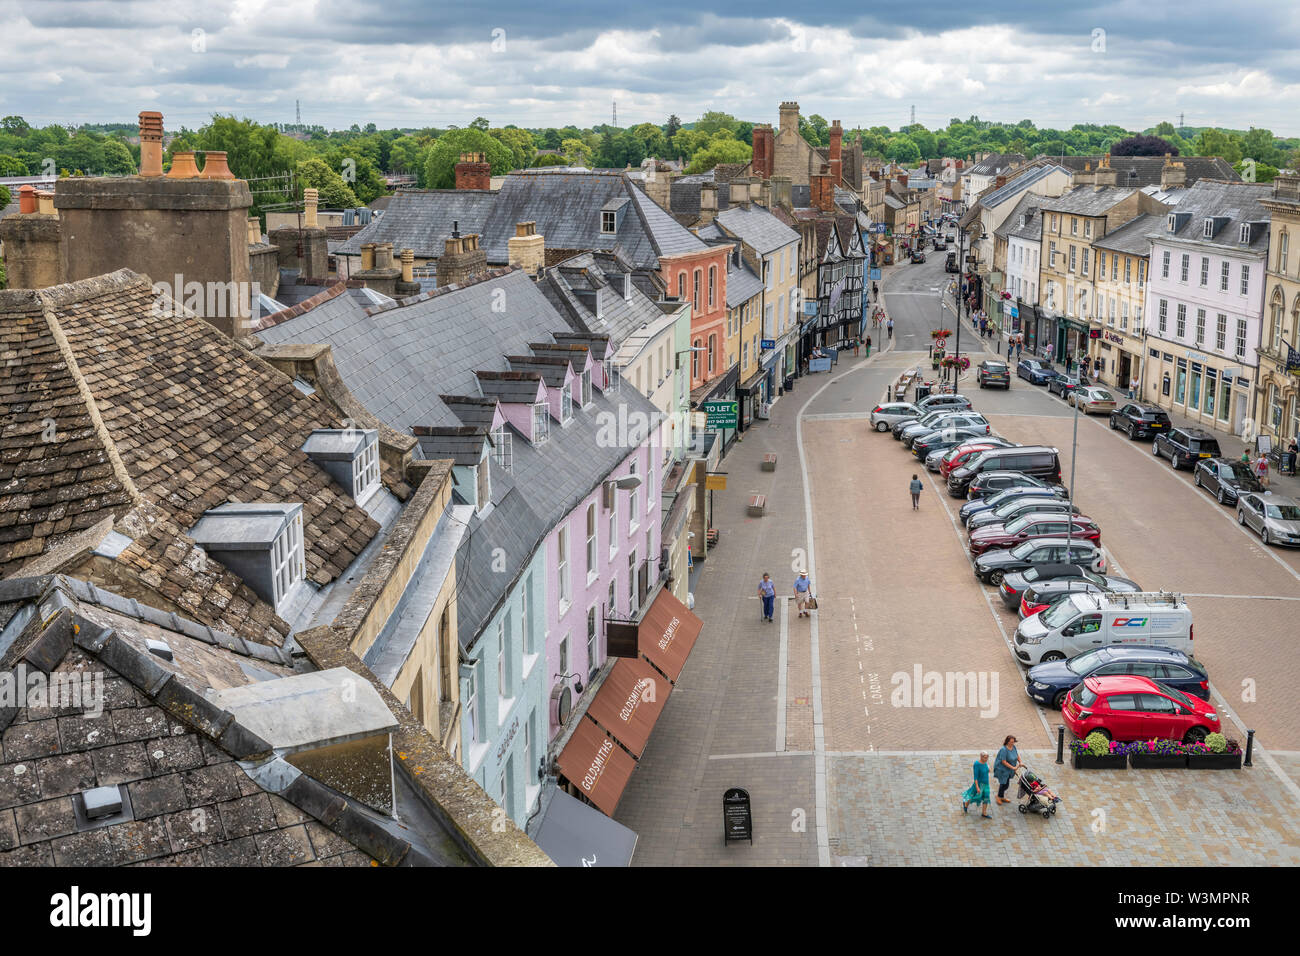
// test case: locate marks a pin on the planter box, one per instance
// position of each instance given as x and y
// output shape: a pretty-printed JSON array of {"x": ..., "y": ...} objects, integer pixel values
[
  {"x": 1104, "y": 762},
  {"x": 1158, "y": 761},
  {"x": 1215, "y": 761}
]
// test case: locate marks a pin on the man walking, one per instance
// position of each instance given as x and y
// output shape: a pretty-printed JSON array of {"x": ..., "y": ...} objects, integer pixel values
[
  {"x": 915, "y": 488},
  {"x": 890, "y": 326},
  {"x": 868, "y": 346},
  {"x": 767, "y": 591},
  {"x": 802, "y": 590}
]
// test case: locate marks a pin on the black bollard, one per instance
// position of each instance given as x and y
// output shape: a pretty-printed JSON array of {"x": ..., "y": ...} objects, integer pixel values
[
  {"x": 1250, "y": 746},
  {"x": 1060, "y": 743}
]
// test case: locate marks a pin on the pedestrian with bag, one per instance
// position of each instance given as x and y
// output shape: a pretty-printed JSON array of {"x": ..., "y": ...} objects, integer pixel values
[
  {"x": 1261, "y": 469},
  {"x": 978, "y": 791},
  {"x": 915, "y": 488},
  {"x": 767, "y": 591},
  {"x": 1006, "y": 764},
  {"x": 803, "y": 594}
]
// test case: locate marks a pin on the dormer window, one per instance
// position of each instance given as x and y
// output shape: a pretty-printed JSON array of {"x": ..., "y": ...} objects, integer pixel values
[
  {"x": 541, "y": 423},
  {"x": 350, "y": 456},
  {"x": 482, "y": 484},
  {"x": 262, "y": 543},
  {"x": 1244, "y": 236},
  {"x": 1209, "y": 229},
  {"x": 1171, "y": 223},
  {"x": 501, "y": 446},
  {"x": 608, "y": 223},
  {"x": 586, "y": 387},
  {"x": 566, "y": 403}
]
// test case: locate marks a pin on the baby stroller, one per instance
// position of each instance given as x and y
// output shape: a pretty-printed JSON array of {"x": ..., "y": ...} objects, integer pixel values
[{"x": 1034, "y": 795}]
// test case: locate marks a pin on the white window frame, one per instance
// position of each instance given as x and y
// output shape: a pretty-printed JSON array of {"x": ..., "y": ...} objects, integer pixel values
[
  {"x": 288, "y": 563},
  {"x": 1241, "y": 339},
  {"x": 541, "y": 422},
  {"x": 613, "y": 525},
  {"x": 1225, "y": 276},
  {"x": 562, "y": 564},
  {"x": 1163, "y": 322},
  {"x": 566, "y": 403},
  {"x": 1221, "y": 333},
  {"x": 608, "y": 223},
  {"x": 365, "y": 471},
  {"x": 1245, "y": 280},
  {"x": 1180, "y": 321},
  {"x": 473, "y": 706},
  {"x": 503, "y": 657},
  {"x": 1185, "y": 267},
  {"x": 593, "y": 642},
  {"x": 1164, "y": 261},
  {"x": 1200, "y": 326},
  {"x": 593, "y": 542},
  {"x": 1205, "y": 271}
]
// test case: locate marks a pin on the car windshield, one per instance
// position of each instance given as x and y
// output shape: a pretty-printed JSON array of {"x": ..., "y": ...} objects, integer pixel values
[
  {"x": 1032, "y": 365},
  {"x": 1101, "y": 395},
  {"x": 1085, "y": 663},
  {"x": 1016, "y": 525},
  {"x": 1059, "y": 615},
  {"x": 1032, "y": 574},
  {"x": 1094, "y": 578},
  {"x": 995, "y": 366},
  {"x": 1232, "y": 470},
  {"x": 1083, "y": 696},
  {"x": 1023, "y": 551},
  {"x": 1177, "y": 695},
  {"x": 1283, "y": 512}
]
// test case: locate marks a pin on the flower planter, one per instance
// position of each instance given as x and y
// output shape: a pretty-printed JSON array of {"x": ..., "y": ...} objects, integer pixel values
[
  {"x": 1214, "y": 761},
  {"x": 1158, "y": 761},
  {"x": 1104, "y": 762}
]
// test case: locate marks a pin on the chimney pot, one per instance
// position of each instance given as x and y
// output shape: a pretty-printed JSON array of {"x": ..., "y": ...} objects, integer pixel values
[
  {"x": 408, "y": 265},
  {"x": 214, "y": 165},
  {"x": 254, "y": 231},
  {"x": 45, "y": 202},
  {"x": 27, "y": 199},
  {"x": 183, "y": 166},
  {"x": 310, "y": 201},
  {"x": 368, "y": 256},
  {"x": 151, "y": 133}
]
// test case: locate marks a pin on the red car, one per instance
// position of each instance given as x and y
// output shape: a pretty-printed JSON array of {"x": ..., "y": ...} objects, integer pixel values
[
  {"x": 1030, "y": 526},
  {"x": 1127, "y": 707},
  {"x": 958, "y": 456}
]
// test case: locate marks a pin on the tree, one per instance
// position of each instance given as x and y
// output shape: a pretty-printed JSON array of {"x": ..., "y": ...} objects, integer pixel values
[
  {"x": 551, "y": 139},
  {"x": 1253, "y": 172},
  {"x": 118, "y": 160},
  {"x": 1165, "y": 129},
  {"x": 672, "y": 126},
  {"x": 901, "y": 149},
  {"x": 1215, "y": 142},
  {"x": 15, "y": 125},
  {"x": 440, "y": 165},
  {"x": 576, "y": 152},
  {"x": 653, "y": 138},
  {"x": 480, "y": 124},
  {"x": 721, "y": 149},
  {"x": 520, "y": 143},
  {"x": 713, "y": 121},
  {"x": 1258, "y": 144},
  {"x": 5, "y": 196},
  {"x": 12, "y": 166},
  {"x": 549, "y": 159},
  {"x": 334, "y": 192},
  {"x": 1143, "y": 146},
  {"x": 815, "y": 130}
]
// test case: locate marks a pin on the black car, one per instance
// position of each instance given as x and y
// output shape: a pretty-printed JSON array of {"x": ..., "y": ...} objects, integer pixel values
[
  {"x": 995, "y": 564},
  {"x": 1224, "y": 478},
  {"x": 1062, "y": 384},
  {"x": 1035, "y": 371},
  {"x": 918, "y": 255},
  {"x": 980, "y": 505},
  {"x": 944, "y": 438},
  {"x": 993, "y": 374},
  {"x": 1013, "y": 585},
  {"x": 1139, "y": 420},
  {"x": 1008, "y": 511},
  {"x": 1048, "y": 683},
  {"x": 1185, "y": 446},
  {"x": 991, "y": 482},
  {"x": 950, "y": 264},
  {"x": 1039, "y": 461},
  {"x": 939, "y": 244}
]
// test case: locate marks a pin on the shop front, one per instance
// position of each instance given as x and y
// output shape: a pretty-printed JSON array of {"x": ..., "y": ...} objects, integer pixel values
[
  {"x": 1072, "y": 338},
  {"x": 1205, "y": 388},
  {"x": 722, "y": 389},
  {"x": 1121, "y": 355},
  {"x": 751, "y": 393}
]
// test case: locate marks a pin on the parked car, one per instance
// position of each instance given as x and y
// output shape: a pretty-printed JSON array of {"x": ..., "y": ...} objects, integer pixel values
[
  {"x": 883, "y": 417},
  {"x": 1183, "y": 446},
  {"x": 978, "y": 506},
  {"x": 1137, "y": 708},
  {"x": 930, "y": 419},
  {"x": 944, "y": 439},
  {"x": 1013, "y": 586},
  {"x": 955, "y": 456},
  {"x": 1092, "y": 400},
  {"x": 1139, "y": 420},
  {"x": 976, "y": 423},
  {"x": 1033, "y": 527},
  {"x": 1275, "y": 518},
  {"x": 1079, "y": 622},
  {"x": 943, "y": 400},
  {"x": 950, "y": 238},
  {"x": 1041, "y": 596},
  {"x": 992, "y": 566},
  {"x": 950, "y": 263},
  {"x": 989, "y": 483},
  {"x": 939, "y": 244},
  {"x": 1034, "y": 371},
  {"x": 1062, "y": 384},
  {"x": 993, "y": 374},
  {"x": 918, "y": 255},
  {"x": 1039, "y": 461},
  {"x": 1224, "y": 478},
  {"x": 1010, "y": 510},
  {"x": 1049, "y": 682}
]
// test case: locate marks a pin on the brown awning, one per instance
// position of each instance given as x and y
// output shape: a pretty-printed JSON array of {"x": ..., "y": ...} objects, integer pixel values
[
  {"x": 596, "y": 765},
  {"x": 629, "y": 702},
  {"x": 668, "y": 632}
]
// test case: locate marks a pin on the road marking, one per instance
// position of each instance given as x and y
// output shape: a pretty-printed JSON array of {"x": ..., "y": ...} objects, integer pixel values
[
  {"x": 837, "y": 416},
  {"x": 782, "y": 659},
  {"x": 1243, "y": 597},
  {"x": 871, "y": 753}
]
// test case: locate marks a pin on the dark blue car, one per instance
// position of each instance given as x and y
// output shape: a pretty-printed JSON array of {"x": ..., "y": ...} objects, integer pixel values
[
  {"x": 1035, "y": 371},
  {"x": 1047, "y": 683}
]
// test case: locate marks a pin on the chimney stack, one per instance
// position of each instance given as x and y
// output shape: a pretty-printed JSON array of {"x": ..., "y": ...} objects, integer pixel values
[
  {"x": 781, "y": 191},
  {"x": 763, "y": 155},
  {"x": 765, "y": 193},
  {"x": 836, "y": 141},
  {"x": 823, "y": 194},
  {"x": 1105, "y": 174},
  {"x": 1172, "y": 175},
  {"x": 367, "y": 256},
  {"x": 708, "y": 203},
  {"x": 32, "y": 243},
  {"x": 151, "y": 133},
  {"x": 407, "y": 286},
  {"x": 378, "y": 270},
  {"x": 526, "y": 249},
  {"x": 254, "y": 231},
  {"x": 310, "y": 200},
  {"x": 473, "y": 172},
  {"x": 789, "y": 117}
]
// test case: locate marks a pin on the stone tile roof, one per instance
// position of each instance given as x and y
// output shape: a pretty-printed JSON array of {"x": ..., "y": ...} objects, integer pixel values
[
  {"x": 201, "y": 789},
  {"x": 1139, "y": 171},
  {"x": 619, "y": 318},
  {"x": 758, "y": 227},
  {"x": 421, "y": 220},
  {"x": 156, "y": 419},
  {"x": 1088, "y": 200}
]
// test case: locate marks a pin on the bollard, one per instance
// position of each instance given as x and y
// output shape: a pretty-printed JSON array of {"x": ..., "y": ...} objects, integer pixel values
[
  {"x": 1060, "y": 743},
  {"x": 1250, "y": 746}
]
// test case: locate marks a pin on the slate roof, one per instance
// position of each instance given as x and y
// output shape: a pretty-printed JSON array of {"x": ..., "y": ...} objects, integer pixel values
[
  {"x": 1013, "y": 187},
  {"x": 684, "y": 196},
  {"x": 421, "y": 220},
  {"x": 742, "y": 283},
  {"x": 994, "y": 164},
  {"x": 1138, "y": 171},
  {"x": 1088, "y": 200},
  {"x": 603, "y": 273},
  {"x": 176, "y": 754},
  {"x": 757, "y": 227},
  {"x": 1237, "y": 202},
  {"x": 1132, "y": 237},
  {"x": 1028, "y": 206},
  {"x": 157, "y": 419}
]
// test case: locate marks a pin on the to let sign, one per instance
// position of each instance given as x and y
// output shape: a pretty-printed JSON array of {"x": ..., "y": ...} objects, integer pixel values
[{"x": 721, "y": 414}]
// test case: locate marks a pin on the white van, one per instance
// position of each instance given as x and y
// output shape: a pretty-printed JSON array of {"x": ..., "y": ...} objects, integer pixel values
[{"x": 1081, "y": 622}]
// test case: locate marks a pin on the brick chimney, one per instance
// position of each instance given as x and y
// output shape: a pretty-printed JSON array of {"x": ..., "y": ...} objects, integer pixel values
[
  {"x": 790, "y": 117},
  {"x": 763, "y": 157},
  {"x": 822, "y": 192},
  {"x": 781, "y": 191},
  {"x": 473, "y": 172},
  {"x": 382, "y": 275},
  {"x": 708, "y": 203},
  {"x": 902, "y": 180},
  {"x": 837, "y": 139},
  {"x": 462, "y": 259},
  {"x": 1105, "y": 174},
  {"x": 32, "y": 243},
  {"x": 526, "y": 248},
  {"x": 1172, "y": 175},
  {"x": 1000, "y": 181}
]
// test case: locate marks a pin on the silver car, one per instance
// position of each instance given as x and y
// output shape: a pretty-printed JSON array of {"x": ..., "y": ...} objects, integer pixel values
[
  {"x": 1092, "y": 399},
  {"x": 972, "y": 420},
  {"x": 1274, "y": 517},
  {"x": 884, "y": 417}
]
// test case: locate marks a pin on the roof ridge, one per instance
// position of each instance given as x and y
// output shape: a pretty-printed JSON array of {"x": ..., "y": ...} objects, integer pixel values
[
  {"x": 306, "y": 305},
  {"x": 482, "y": 277}
]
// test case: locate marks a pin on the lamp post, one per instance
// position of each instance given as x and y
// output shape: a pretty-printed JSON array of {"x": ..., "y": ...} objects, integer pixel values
[{"x": 1074, "y": 456}]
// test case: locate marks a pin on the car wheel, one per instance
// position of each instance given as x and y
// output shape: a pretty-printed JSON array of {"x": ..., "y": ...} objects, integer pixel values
[
  {"x": 1263, "y": 536},
  {"x": 1196, "y": 735},
  {"x": 1241, "y": 518},
  {"x": 996, "y": 577},
  {"x": 1196, "y": 479},
  {"x": 1051, "y": 656},
  {"x": 1155, "y": 449},
  {"x": 1173, "y": 460},
  {"x": 1059, "y": 700},
  {"x": 1219, "y": 495},
  {"x": 882, "y": 426},
  {"x": 1113, "y": 426}
]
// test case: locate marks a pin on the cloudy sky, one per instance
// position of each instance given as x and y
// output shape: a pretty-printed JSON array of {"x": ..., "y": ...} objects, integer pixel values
[{"x": 433, "y": 63}]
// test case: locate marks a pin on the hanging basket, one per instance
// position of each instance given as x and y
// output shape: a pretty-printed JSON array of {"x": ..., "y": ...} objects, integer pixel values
[
  {"x": 941, "y": 333},
  {"x": 955, "y": 361}
]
